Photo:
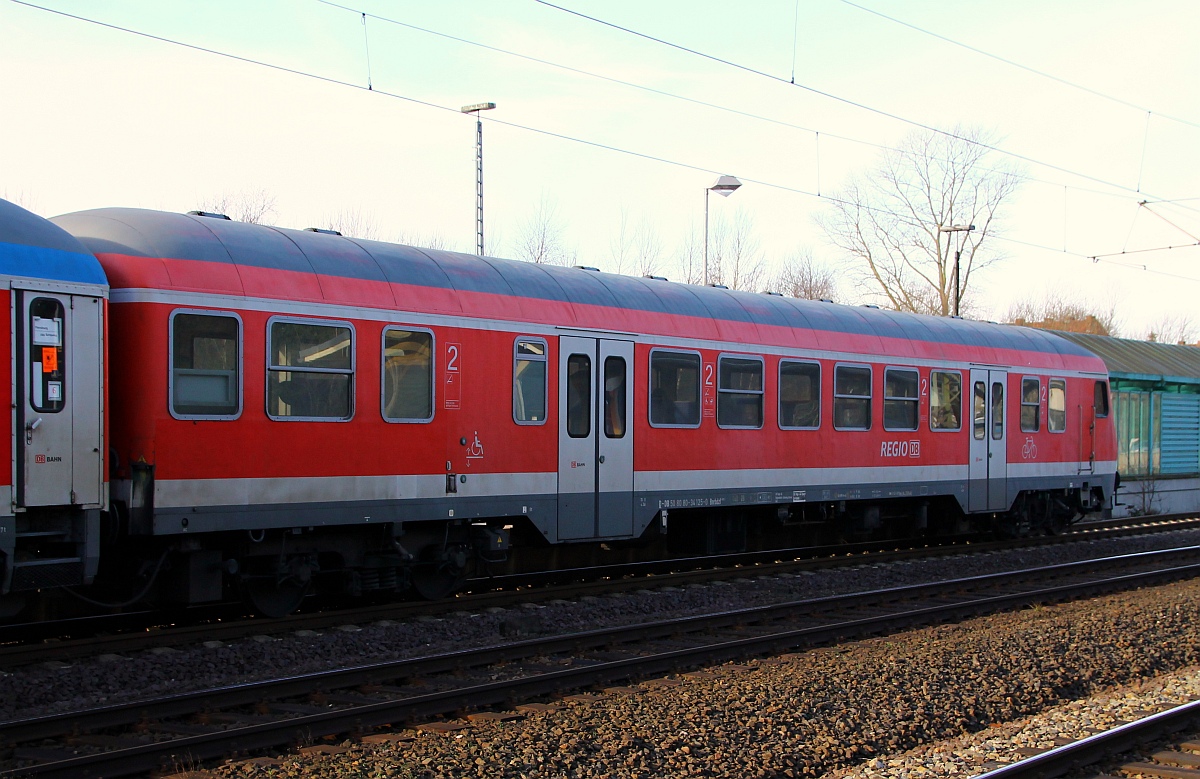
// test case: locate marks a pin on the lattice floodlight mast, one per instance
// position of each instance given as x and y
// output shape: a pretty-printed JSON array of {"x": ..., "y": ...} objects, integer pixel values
[{"x": 475, "y": 109}]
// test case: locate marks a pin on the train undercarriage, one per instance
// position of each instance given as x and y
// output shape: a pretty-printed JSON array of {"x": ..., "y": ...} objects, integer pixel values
[{"x": 275, "y": 571}]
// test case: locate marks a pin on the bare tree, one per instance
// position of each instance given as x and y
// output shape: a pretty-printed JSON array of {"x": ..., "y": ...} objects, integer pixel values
[
  {"x": 1172, "y": 329},
  {"x": 541, "y": 238},
  {"x": 254, "y": 206},
  {"x": 353, "y": 223},
  {"x": 802, "y": 277},
  {"x": 433, "y": 240},
  {"x": 637, "y": 250},
  {"x": 735, "y": 258},
  {"x": 1054, "y": 312},
  {"x": 689, "y": 258},
  {"x": 22, "y": 198},
  {"x": 888, "y": 219}
]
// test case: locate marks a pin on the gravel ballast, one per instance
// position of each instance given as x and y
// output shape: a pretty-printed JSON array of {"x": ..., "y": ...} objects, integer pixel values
[
  {"x": 945, "y": 701},
  {"x": 57, "y": 687}
]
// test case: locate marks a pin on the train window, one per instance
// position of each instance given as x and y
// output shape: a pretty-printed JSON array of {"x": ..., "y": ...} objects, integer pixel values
[
  {"x": 799, "y": 395},
  {"x": 945, "y": 401},
  {"x": 997, "y": 411},
  {"x": 614, "y": 397},
  {"x": 206, "y": 362},
  {"x": 529, "y": 382},
  {"x": 579, "y": 396},
  {"x": 1100, "y": 398},
  {"x": 310, "y": 370},
  {"x": 407, "y": 375},
  {"x": 851, "y": 397},
  {"x": 980, "y": 410},
  {"x": 1056, "y": 415},
  {"x": 47, "y": 358},
  {"x": 674, "y": 389},
  {"x": 1031, "y": 405},
  {"x": 901, "y": 398},
  {"x": 740, "y": 392}
]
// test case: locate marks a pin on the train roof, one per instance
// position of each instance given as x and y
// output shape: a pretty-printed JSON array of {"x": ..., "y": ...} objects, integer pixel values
[
  {"x": 195, "y": 253},
  {"x": 32, "y": 247}
]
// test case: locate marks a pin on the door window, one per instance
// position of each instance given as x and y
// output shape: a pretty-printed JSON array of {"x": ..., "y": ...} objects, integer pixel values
[
  {"x": 47, "y": 360},
  {"x": 614, "y": 397},
  {"x": 997, "y": 411},
  {"x": 579, "y": 396},
  {"x": 980, "y": 410}
]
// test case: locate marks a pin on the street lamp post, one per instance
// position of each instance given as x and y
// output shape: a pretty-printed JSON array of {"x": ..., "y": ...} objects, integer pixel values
[
  {"x": 957, "y": 255},
  {"x": 475, "y": 109},
  {"x": 724, "y": 186}
]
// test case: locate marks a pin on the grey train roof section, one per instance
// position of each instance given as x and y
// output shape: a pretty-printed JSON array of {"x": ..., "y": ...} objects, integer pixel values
[
  {"x": 157, "y": 234},
  {"x": 1145, "y": 360}
]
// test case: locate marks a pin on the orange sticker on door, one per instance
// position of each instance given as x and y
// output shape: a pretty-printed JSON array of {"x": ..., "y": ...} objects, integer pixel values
[{"x": 49, "y": 359}]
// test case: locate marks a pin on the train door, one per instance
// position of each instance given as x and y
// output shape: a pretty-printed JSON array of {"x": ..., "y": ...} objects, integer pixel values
[
  {"x": 58, "y": 398},
  {"x": 988, "y": 471},
  {"x": 595, "y": 441}
]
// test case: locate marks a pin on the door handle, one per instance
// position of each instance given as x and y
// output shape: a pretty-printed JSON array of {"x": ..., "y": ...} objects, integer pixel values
[
  {"x": 602, "y": 458},
  {"x": 30, "y": 427}
]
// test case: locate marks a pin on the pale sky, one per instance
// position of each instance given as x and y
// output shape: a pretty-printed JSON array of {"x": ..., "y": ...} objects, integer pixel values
[{"x": 97, "y": 117}]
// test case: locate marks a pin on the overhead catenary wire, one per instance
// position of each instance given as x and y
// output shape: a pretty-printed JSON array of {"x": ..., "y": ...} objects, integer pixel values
[
  {"x": 540, "y": 131},
  {"x": 674, "y": 95},
  {"x": 1015, "y": 64},
  {"x": 845, "y": 101}
]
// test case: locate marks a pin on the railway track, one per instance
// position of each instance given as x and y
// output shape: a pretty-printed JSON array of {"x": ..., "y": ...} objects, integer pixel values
[
  {"x": 1178, "y": 761},
  {"x": 239, "y": 719},
  {"x": 116, "y": 634}
]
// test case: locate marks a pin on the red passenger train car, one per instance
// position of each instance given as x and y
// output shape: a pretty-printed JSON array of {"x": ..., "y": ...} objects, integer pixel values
[{"x": 290, "y": 407}]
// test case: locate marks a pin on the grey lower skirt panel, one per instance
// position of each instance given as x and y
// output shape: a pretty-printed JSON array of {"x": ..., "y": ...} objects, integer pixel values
[{"x": 542, "y": 510}]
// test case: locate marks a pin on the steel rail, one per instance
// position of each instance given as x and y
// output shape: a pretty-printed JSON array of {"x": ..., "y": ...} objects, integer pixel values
[
  {"x": 560, "y": 584},
  {"x": 363, "y": 717},
  {"x": 1093, "y": 749}
]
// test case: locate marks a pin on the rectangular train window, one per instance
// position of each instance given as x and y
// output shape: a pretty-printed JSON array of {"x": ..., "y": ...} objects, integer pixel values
[
  {"x": 945, "y": 401},
  {"x": 1100, "y": 398},
  {"x": 980, "y": 411},
  {"x": 1031, "y": 405},
  {"x": 614, "y": 397},
  {"x": 851, "y": 397},
  {"x": 206, "y": 365},
  {"x": 310, "y": 370},
  {"x": 1056, "y": 415},
  {"x": 579, "y": 396},
  {"x": 740, "y": 392},
  {"x": 901, "y": 399},
  {"x": 529, "y": 381},
  {"x": 407, "y": 375},
  {"x": 47, "y": 359},
  {"x": 799, "y": 395},
  {"x": 674, "y": 389}
]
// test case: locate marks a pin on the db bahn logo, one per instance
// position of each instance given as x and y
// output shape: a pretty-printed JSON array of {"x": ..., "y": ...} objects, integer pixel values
[
  {"x": 900, "y": 449},
  {"x": 41, "y": 459}
]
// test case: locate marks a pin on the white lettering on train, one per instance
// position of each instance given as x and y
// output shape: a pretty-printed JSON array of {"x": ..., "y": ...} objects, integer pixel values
[{"x": 900, "y": 449}]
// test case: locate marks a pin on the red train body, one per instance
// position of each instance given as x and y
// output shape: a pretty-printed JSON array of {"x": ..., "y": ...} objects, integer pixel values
[{"x": 293, "y": 404}]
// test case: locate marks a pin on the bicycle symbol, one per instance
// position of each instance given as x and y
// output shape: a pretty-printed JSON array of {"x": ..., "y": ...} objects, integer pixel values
[{"x": 1029, "y": 450}]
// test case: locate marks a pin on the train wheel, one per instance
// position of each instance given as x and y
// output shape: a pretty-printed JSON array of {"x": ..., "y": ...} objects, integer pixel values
[
  {"x": 274, "y": 598},
  {"x": 439, "y": 571}
]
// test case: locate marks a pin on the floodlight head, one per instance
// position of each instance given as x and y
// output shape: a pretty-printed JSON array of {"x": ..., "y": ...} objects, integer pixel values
[{"x": 725, "y": 186}]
